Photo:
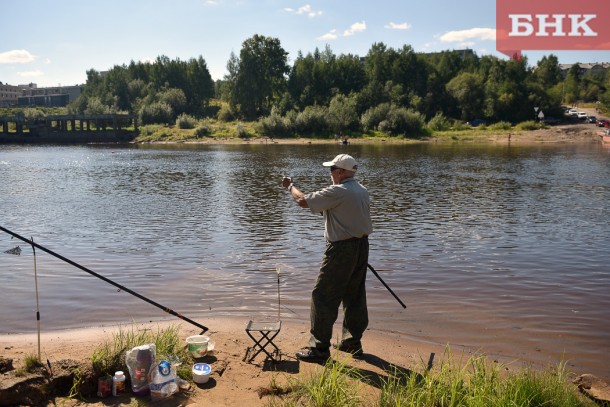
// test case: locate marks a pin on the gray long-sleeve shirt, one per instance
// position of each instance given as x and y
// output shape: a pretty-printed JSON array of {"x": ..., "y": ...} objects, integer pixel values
[{"x": 346, "y": 209}]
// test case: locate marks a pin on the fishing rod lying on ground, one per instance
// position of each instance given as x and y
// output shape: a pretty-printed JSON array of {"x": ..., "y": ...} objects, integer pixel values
[
  {"x": 123, "y": 288},
  {"x": 386, "y": 286}
]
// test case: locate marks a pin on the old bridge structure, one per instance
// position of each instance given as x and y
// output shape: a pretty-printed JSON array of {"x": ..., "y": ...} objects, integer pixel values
[{"x": 69, "y": 128}]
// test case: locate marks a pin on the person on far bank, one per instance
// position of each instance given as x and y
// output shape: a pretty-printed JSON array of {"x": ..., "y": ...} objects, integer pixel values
[{"x": 347, "y": 224}]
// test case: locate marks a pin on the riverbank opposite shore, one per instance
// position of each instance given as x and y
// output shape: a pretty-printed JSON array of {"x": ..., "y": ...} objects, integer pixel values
[{"x": 566, "y": 133}]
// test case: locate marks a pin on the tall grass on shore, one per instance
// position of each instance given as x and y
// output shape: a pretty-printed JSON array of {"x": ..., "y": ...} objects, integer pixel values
[
  {"x": 336, "y": 384},
  {"x": 31, "y": 363},
  {"x": 110, "y": 356},
  {"x": 480, "y": 383},
  {"x": 475, "y": 383}
]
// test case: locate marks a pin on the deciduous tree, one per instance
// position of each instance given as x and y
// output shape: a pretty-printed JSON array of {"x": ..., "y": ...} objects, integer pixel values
[{"x": 261, "y": 76}]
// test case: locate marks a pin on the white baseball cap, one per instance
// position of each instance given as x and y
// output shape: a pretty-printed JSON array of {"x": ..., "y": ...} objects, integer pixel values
[{"x": 344, "y": 161}]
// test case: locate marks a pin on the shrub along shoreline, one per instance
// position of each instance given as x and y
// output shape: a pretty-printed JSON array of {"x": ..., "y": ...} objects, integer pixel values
[
  {"x": 296, "y": 129},
  {"x": 211, "y": 130}
]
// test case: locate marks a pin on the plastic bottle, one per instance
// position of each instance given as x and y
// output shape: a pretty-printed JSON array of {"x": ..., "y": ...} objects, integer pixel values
[
  {"x": 139, "y": 382},
  {"x": 104, "y": 386},
  {"x": 118, "y": 383},
  {"x": 163, "y": 381}
]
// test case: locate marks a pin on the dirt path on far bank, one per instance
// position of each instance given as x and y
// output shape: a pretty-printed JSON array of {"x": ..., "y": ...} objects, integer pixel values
[
  {"x": 577, "y": 132},
  {"x": 566, "y": 133}
]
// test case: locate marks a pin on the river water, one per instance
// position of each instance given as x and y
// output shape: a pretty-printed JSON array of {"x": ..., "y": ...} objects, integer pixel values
[{"x": 494, "y": 247}]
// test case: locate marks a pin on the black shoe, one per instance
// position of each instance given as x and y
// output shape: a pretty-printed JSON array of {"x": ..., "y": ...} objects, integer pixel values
[
  {"x": 313, "y": 355},
  {"x": 355, "y": 350}
]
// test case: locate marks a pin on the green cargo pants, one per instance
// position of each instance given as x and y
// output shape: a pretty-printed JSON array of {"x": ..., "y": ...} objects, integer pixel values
[{"x": 342, "y": 279}]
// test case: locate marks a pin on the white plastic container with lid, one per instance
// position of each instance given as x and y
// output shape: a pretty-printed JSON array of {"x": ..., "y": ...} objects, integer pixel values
[
  {"x": 201, "y": 372},
  {"x": 118, "y": 383}
]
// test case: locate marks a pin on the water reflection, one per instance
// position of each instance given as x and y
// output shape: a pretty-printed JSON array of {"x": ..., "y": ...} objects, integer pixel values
[{"x": 484, "y": 242}]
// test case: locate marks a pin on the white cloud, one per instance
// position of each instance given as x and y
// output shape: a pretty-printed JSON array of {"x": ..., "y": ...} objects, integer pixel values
[
  {"x": 472, "y": 34},
  {"x": 47, "y": 61},
  {"x": 398, "y": 26},
  {"x": 17, "y": 56},
  {"x": 331, "y": 35},
  {"x": 355, "y": 28},
  {"x": 306, "y": 9},
  {"x": 30, "y": 74}
]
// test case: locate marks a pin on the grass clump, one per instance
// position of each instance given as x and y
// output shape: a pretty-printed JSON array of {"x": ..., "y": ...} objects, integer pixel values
[
  {"x": 440, "y": 123},
  {"x": 336, "y": 384},
  {"x": 110, "y": 356},
  {"x": 241, "y": 131},
  {"x": 185, "y": 121},
  {"x": 500, "y": 126},
  {"x": 479, "y": 383},
  {"x": 31, "y": 363},
  {"x": 529, "y": 125},
  {"x": 202, "y": 131},
  {"x": 476, "y": 382}
]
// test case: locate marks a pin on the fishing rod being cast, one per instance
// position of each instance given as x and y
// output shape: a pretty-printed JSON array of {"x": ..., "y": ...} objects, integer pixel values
[
  {"x": 299, "y": 198},
  {"x": 109, "y": 281}
]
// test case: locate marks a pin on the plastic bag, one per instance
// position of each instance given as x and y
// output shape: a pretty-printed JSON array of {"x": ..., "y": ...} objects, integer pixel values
[
  {"x": 139, "y": 362},
  {"x": 163, "y": 381}
]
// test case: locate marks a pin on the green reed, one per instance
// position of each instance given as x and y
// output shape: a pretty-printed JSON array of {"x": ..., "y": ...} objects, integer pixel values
[
  {"x": 476, "y": 382},
  {"x": 336, "y": 384},
  {"x": 110, "y": 355},
  {"x": 481, "y": 383}
]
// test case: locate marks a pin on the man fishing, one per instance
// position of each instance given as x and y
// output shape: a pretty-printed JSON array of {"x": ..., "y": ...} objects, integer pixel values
[{"x": 347, "y": 223}]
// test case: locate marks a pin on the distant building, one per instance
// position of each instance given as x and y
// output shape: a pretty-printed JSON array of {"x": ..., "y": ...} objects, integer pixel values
[
  {"x": 53, "y": 96},
  {"x": 55, "y": 100},
  {"x": 464, "y": 53},
  {"x": 9, "y": 94},
  {"x": 31, "y": 95},
  {"x": 585, "y": 68}
]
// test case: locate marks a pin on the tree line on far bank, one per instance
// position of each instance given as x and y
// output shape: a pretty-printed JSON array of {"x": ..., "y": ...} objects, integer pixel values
[{"x": 394, "y": 91}]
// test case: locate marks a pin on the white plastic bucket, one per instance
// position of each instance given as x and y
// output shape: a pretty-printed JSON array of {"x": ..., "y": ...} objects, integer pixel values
[
  {"x": 198, "y": 345},
  {"x": 201, "y": 372}
]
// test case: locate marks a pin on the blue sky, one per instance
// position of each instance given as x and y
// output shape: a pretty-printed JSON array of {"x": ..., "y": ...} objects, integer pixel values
[{"x": 54, "y": 42}]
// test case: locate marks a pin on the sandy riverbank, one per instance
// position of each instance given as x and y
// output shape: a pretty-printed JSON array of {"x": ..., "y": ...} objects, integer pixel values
[{"x": 233, "y": 381}]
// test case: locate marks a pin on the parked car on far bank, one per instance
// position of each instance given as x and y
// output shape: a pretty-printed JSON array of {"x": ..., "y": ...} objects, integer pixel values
[
  {"x": 603, "y": 123},
  {"x": 592, "y": 119},
  {"x": 550, "y": 121},
  {"x": 477, "y": 122}
]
